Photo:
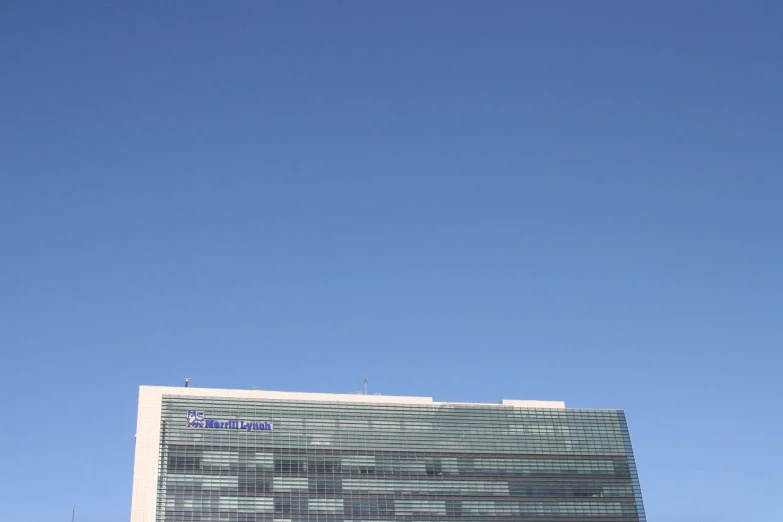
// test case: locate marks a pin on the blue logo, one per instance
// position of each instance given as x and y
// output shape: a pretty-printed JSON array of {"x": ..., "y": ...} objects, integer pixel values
[{"x": 196, "y": 419}]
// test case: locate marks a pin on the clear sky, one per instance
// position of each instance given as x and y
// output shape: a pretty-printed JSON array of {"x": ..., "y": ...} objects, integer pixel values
[{"x": 580, "y": 201}]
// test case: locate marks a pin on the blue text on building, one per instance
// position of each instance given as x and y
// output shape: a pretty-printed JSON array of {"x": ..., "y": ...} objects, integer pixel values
[{"x": 196, "y": 419}]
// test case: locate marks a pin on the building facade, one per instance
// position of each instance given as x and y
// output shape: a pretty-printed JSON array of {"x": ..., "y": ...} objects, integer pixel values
[{"x": 206, "y": 455}]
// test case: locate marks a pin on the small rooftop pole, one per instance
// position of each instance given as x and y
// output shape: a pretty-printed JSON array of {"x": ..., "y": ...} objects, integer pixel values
[
  {"x": 365, "y": 385},
  {"x": 73, "y": 513},
  {"x": 187, "y": 380}
]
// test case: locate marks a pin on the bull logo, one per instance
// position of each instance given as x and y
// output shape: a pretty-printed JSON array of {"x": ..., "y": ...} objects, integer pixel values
[{"x": 195, "y": 419}]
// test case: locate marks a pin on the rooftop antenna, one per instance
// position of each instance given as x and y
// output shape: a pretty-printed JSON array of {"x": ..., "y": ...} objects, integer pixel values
[
  {"x": 73, "y": 513},
  {"x": 187, "y": 380},
  {"x": 365, "y": 385}
]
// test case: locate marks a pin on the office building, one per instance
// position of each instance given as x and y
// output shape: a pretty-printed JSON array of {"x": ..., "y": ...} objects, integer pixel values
[{"x": 209, "y": 455}]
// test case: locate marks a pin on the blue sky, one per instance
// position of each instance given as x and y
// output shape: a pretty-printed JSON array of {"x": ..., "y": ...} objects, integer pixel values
[{"x": 464, "y": 200}]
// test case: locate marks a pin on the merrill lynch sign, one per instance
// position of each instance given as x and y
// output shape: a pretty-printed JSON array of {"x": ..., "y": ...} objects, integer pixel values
[{"x": 196, "y": 420}]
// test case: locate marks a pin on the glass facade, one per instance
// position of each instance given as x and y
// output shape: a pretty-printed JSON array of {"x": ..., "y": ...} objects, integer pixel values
[{"x": 287, "y": 460}]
